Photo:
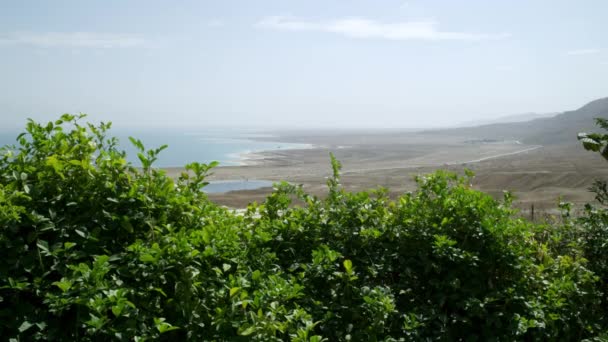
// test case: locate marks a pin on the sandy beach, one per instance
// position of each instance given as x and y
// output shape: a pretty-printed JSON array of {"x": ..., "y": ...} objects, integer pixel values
[{"x": 536, "y": 174}]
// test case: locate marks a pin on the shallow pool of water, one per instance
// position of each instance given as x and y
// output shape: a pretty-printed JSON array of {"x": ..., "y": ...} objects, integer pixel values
[{"x": 215, "y": 187}]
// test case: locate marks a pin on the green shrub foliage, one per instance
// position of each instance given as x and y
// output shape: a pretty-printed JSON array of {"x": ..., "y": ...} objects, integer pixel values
[
  {"x": 96, "y": 249},
  {"x": 594, "y": 225}
]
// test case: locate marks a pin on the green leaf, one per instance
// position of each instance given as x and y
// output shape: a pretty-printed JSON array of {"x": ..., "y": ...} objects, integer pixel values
[
  {"x": 246, "y": 330},
  {"x": 44, "y": 246},
  {"x": 95, "y": 322},
  {"x": 147, "y": 258},
  {"x": 591, "y": 145},
  {"x": 56, "y": 164},
  {"x": 117, "y": 309},
  {"x": 137, "y": 143},
  {"x": 348, "y": 266},
  {"x": 16, "y": 284},
  {"x": 605, "y": 152},
  {"x": 234, "y": 291},
  {"x": 144, "y": 161},
  {"x": 64, "y": 285},
  {"x": 445, "y": 221},
  {"x": 25, "y": 326},
  {"x": 163, "y": 326},
  {"x": 159, "y": 290}
]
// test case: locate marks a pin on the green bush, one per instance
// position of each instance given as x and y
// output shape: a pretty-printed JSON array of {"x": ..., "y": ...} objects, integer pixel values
[
  {"x": 96, "y": 249},
  {"x": 593, "y": 225}
]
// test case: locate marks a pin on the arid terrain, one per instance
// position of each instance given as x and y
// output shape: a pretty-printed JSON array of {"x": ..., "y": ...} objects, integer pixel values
[
  {"x": 535, "y": 174},
  {"x": 539, "y": 161}
]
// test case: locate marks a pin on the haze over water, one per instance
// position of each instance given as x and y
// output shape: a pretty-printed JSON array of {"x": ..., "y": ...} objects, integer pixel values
[{"x": 184, "y": 146}]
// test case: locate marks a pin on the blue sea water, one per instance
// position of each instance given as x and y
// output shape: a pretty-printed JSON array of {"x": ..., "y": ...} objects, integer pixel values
[
  {"x": 186, "y": 146},
  {"x": 233, "y": 185}
]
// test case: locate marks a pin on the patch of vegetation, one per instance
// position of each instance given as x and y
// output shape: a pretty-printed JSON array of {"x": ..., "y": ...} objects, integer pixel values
[{"x": 96, "y": 249}]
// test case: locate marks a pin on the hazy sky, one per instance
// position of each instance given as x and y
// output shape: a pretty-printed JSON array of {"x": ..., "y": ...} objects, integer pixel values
[{"x": 302, "y": 63}]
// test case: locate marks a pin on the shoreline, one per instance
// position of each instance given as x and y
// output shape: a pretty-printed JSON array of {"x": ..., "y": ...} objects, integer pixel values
[
  {"x": 253, "y": 158},
  {"x": 535, "y": 175},
  {"x": 249, "y": 158}
]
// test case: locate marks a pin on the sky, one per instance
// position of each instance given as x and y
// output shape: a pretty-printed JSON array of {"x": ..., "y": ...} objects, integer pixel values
[{"x": 299, "y": 64}]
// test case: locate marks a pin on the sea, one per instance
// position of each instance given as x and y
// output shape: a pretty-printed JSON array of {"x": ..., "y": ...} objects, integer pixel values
[{"x": 226, "y": 146}]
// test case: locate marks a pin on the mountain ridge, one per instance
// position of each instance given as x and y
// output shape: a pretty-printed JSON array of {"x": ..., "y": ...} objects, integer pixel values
[
  {"x": 559, "y": 129},
  {"x": 513, "y": 118}
]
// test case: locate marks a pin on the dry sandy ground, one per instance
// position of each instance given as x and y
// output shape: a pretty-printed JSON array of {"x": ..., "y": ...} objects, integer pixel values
[{"x": 537, "y": 175}]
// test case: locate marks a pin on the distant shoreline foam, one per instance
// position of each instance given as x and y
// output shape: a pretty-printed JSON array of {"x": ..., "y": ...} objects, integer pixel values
[{"x": 248, "y": 158}]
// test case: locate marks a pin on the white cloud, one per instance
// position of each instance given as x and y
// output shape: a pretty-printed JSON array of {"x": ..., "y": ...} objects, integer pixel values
[
  {"x": 365, "y": 28},
  {"x": 72, "y": 39},
  {"x": 582, "y": 52}
]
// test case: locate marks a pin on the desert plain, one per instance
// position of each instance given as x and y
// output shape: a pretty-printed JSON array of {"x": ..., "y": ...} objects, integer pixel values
[{"x": 537, "y": 175}]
